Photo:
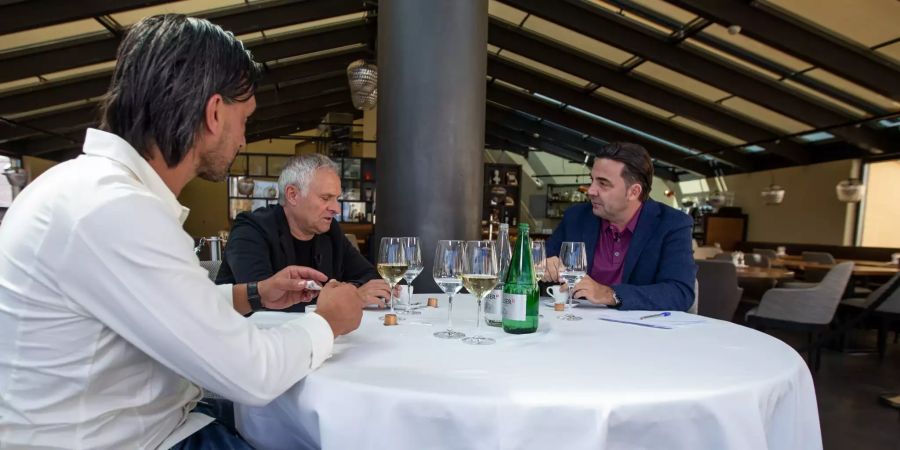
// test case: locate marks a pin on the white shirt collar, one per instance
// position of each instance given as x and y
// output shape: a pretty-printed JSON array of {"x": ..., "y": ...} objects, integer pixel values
[{"x": 108, "y": 145}]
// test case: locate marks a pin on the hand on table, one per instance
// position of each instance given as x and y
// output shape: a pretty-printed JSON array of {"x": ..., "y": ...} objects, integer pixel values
[
  {"x": 288, "y": 287},
  {"x": 593, "y": 292}
]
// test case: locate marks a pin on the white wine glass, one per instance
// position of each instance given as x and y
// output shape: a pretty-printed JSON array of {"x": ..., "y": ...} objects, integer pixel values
[
  {"x": 574, "y": 262},
  {"x": 413, "y": 269},
  {"x": 392, "y": 263},
  {"x": 479, "y": 277},
  {"x": 539, "y": 258},
  {"x": 447, "y": 272}
]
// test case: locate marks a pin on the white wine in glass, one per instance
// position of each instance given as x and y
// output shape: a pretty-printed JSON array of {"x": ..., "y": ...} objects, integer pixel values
[
  {"x": 480, "y": 273},
  {"x": 392, "y": 263}
]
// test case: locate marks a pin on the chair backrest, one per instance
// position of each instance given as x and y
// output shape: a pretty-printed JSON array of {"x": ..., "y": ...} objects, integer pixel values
[
  {"x": 352, "y": 238},
  {"x": 726, "y": 256},
  {"x": 892, "y": 304},
  {"x": 767, "y": 252},
  {"x": 757, "y": 260},
  {"x": 706, "y": 252},
  {"x": 212, "y": 268},
  {"x": 719, "y": 293},
  {"x": 818, "y": 257},
  {"x": 815, "y": 305}
]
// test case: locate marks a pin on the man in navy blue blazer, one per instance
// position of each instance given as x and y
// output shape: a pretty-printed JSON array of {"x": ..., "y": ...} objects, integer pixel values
[{"x": 638, "y": 250}]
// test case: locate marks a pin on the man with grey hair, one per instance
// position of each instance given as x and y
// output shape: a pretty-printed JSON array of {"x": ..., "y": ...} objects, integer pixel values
[{"x": 300, "y": 230}]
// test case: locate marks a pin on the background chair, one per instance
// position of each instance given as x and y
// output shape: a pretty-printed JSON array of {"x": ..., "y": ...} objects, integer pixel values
[
  {"x": 884, "y": 317},
  {"x": 815, "y": 275},
  {"x": 810, "y": 310},
  {"x": 719, "y": 293}
]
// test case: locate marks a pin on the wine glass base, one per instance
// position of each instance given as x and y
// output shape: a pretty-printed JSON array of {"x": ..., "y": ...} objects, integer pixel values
[
  {"x": 479, "y": 340},
  {"x": 449, "y": 334},
  {"x": 570, "y": 317}
]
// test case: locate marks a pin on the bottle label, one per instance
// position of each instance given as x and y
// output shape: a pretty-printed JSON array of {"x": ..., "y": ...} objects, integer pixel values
[
  {"x": 492, "y": 304},
  {"x": 514, "y": 306}
]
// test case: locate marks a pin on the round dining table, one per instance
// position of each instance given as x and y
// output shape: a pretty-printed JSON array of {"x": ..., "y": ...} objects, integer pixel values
[
  {"x": 675, "y": 382},
  {"x": 767, "y": 273}
]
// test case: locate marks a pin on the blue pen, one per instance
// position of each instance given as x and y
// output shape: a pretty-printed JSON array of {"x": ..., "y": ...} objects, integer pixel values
[{"x": 662, "y": 314}]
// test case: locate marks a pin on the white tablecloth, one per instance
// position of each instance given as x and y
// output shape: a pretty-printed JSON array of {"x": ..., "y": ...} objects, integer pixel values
[{"x": 589, "y": 384}]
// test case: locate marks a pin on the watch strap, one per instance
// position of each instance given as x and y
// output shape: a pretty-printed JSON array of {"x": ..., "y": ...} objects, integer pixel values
[{"x": 253, "y": 297}]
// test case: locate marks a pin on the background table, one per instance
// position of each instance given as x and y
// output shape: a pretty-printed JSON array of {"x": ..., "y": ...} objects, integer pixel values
[{"x": 572, "y": 385}]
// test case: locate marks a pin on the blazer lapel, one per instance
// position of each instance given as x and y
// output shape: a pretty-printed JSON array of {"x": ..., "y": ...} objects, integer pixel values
[{"x": 646, "y": 225}]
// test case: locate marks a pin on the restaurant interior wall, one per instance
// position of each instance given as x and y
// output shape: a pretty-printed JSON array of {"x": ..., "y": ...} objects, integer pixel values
[
  {"x": 810, "y": 213},
  {"x": 881, "y": 215}
]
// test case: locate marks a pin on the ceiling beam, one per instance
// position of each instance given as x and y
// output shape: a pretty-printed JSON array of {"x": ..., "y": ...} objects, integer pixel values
[
  {"x": 101, "y": 47},
  {"x": 95, "y": 85},
  {"x": 524, "y": 141},
  {"x": 605, "y": 26},
  {"x": 535, "y": 107},
  {"x": 22, "y": 16},
  {"x": 543, "y": 50},
  {"x": 520, "y": 75},
  {"x": 767, "y": 25}
]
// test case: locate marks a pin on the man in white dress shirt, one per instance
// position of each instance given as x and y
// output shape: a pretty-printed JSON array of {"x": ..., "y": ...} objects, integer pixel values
[{"x": 108, "y": 325}]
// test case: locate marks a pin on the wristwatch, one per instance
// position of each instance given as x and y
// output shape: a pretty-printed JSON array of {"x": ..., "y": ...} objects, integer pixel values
[
  {"x": 616, "y": 301},
  {"x": 253, "y": 296}
]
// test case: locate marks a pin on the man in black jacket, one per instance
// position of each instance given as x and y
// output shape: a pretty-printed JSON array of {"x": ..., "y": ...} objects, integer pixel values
[{"x": 300, "y": 230}]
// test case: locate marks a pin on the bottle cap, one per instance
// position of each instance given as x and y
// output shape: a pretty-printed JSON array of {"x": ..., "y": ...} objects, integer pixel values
[
  {"x": 432, "y": 302},
  {"x": 390, "y": 319}
]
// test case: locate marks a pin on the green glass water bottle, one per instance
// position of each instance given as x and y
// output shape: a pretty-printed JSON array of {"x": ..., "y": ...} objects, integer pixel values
[{"x": 520, "y": 292}]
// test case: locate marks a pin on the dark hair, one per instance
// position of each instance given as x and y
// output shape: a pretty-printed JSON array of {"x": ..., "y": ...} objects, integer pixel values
[
  {"x": 638, "y": 167},
  {"x": 167, "y": 68}
]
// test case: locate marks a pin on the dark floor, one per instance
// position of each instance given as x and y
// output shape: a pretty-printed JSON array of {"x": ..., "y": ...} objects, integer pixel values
[{"x": 848, "y": 385}]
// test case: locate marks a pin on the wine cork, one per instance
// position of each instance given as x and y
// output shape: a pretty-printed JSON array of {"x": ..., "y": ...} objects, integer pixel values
[
  {"x": 559, "y": 306},
  {"x": 390, "y": 319},
  {"x": 432, "y": 302}
]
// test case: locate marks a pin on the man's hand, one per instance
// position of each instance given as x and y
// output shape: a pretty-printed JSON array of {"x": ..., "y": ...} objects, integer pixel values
[
  {"x": 554, "y": 267},
  {"x": 288, "y": 287},
  {"x": 374, "y": 292},
  {"x": 341, "y": 306},
  {"x": 593, "y": 292}
]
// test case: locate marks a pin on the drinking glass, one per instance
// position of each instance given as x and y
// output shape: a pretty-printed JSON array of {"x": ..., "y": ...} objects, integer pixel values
[
  {"x": 392, "y": 263},
  {"x": 574, "y": 262},
  {"x": 539, "y": 258},
  {"x": 479, "y": 277},
  {"x": 413, "y": 269},
  {"x": 447, "y": 272}
]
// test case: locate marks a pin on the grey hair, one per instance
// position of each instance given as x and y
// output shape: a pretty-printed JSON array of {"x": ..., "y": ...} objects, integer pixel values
[{"x": 299, "y": 171}]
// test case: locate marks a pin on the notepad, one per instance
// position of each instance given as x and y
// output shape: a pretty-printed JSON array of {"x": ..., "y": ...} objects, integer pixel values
[{"x": 675, "y": 320}]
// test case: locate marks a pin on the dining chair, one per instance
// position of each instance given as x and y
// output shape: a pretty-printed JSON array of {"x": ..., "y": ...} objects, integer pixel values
[
  {"x": 810, "y": 310},
  {"x": 885, "y": 316},
  {"x": 757, "y": 260},
  {"x": 719, "y": 293},
  {"x": 815, "y": 274}
]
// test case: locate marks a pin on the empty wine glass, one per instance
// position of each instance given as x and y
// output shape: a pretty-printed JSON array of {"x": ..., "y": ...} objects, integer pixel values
[
  {"x": 539, "y": 258},
  {"x": 574, "y": 262},
  {"x": 479, "y": 277},
  {"x": 392, "y": 263},
  {"x": 413, "y": 269},
  {"x": 447, "y": 272}
]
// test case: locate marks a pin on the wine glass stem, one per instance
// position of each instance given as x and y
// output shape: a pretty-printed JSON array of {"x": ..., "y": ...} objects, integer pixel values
[
  {"x": 478, "y": 316},
  {"x": 392, "y": 298},
  {"x": 450, "y": 313}
]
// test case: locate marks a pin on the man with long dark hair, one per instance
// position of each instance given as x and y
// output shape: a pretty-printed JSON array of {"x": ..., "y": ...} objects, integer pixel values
[
  {"x": 638, "y": 250},
  {"x": 108, "y": 325}
]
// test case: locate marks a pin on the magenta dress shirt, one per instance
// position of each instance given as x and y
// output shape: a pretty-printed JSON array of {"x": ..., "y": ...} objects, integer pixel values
[{"x": 609, "y": 255}]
